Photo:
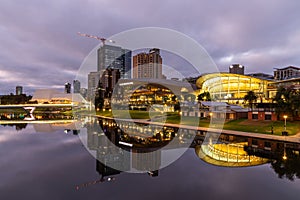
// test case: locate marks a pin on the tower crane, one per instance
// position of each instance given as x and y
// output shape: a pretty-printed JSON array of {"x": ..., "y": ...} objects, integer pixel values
[{"x": 103, "y": 40}]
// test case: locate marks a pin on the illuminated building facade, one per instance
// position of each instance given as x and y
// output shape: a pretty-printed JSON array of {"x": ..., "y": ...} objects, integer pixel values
[
  {"x": 295, "y": 83},
  {"x": 143, "y": 94},
  {"x": 233, "y": 87}
]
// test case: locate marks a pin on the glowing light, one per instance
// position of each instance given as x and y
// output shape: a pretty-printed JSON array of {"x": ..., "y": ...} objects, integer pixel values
[
  {"x": 129, "y": 83},
  {"x": 125, "y": 143},
  {"x": 284, "y": 157}
]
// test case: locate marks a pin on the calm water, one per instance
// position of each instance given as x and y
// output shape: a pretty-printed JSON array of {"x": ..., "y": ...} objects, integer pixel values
[{"x": 47, "y": 162}]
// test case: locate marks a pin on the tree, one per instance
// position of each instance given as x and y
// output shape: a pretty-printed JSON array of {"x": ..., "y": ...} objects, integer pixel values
[
  {"x": 205, "y": 96},
  {"x": 174, "y": 98},
  {"x": 250, "y": 97},
  {"x": 288, "y": 101},
  {"x": 189, "y": 97}
]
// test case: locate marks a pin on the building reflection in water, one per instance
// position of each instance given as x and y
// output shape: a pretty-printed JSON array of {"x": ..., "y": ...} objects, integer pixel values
[
  {"x": 228, "y": 155},
  {"x": 143, "y": 160},
  {"x": 284, "y": 156},
  {"x": 229, "y": 151},
  {"x": 105, "y": 138},
  {"x": 43, "y": 122}
]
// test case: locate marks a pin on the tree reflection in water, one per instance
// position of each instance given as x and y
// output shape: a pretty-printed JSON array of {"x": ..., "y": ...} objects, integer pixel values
[
  {"x": 273, "y": 151},
  {"x": 289, "y": 168}
]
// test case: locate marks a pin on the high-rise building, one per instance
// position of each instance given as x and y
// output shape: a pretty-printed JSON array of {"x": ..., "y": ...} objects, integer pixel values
[
  {"x": 93, "y": 81},
  {"x": 114, "y": 57},
  {"x": 19, "y": 90},
  {"x": 108, "y": 80},
  {"x": 236, "y": 69},
  {"x": 76, "y": 86},
  {"x": 67, "y": 88},
  {"x": 148, "y": 65},
  {"x": 286, "y": 73}
]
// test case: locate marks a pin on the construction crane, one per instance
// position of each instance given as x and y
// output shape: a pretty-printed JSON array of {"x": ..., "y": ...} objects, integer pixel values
[{"x": 103, "y": 40}]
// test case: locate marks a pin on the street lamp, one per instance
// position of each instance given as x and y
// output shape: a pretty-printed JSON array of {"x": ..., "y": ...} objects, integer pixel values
[{"x": 284, "y": 116}]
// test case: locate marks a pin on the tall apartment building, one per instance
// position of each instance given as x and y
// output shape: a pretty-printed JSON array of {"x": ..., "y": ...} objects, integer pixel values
[
  {"x": 93, "y": 81},
  {"x": 19, "y": 90},
  {"x": 148, "y": 65},
  {"x": 76, "y": 86},
  {"x": 108, "y": 80},
  {"x": 67, "y": 88},
  {"x": 286, "y": 73},
  {"x": 114, "y": 57}
]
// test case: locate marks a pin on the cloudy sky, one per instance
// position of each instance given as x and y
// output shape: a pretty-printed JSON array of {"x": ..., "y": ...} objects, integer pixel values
[{"x": 40, "y": 48}]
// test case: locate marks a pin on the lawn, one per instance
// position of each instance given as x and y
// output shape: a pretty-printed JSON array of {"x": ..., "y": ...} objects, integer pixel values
[{"x": 263, "y": 126}]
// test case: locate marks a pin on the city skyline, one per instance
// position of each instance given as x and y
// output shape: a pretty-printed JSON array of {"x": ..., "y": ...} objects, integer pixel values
[{"x": 41, "y": 40}]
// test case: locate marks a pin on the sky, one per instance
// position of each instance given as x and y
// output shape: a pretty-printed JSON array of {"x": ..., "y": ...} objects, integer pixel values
[{"x": 40, "y": 48}]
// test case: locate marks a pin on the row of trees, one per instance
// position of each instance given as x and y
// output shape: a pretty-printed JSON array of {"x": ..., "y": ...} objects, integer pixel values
[{"x": 287, "y": 101}]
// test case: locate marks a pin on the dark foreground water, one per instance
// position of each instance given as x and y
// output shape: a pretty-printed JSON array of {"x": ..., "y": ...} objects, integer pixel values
[{"x": 56, "y": 165}]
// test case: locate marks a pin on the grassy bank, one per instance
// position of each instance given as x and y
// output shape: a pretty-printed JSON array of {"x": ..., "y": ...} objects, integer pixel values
[{"x": 263, "y": 126}]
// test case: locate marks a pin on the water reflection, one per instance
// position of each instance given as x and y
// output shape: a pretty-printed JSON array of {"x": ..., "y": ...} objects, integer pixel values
[
  {"x": 230, "y": 151},
  {"x": 108, "y": 140},
  {"x": 284, "y": 156},
  {"x": 18, "y": 127}
]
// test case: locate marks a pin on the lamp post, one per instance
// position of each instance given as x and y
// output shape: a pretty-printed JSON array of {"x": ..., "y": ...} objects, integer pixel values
[{"x": 284, "y": 116}]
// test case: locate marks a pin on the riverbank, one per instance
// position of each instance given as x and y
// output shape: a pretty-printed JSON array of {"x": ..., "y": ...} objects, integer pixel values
[
  {"x": 243, "y": 125},
  {"x": 292, "y": 139}
]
